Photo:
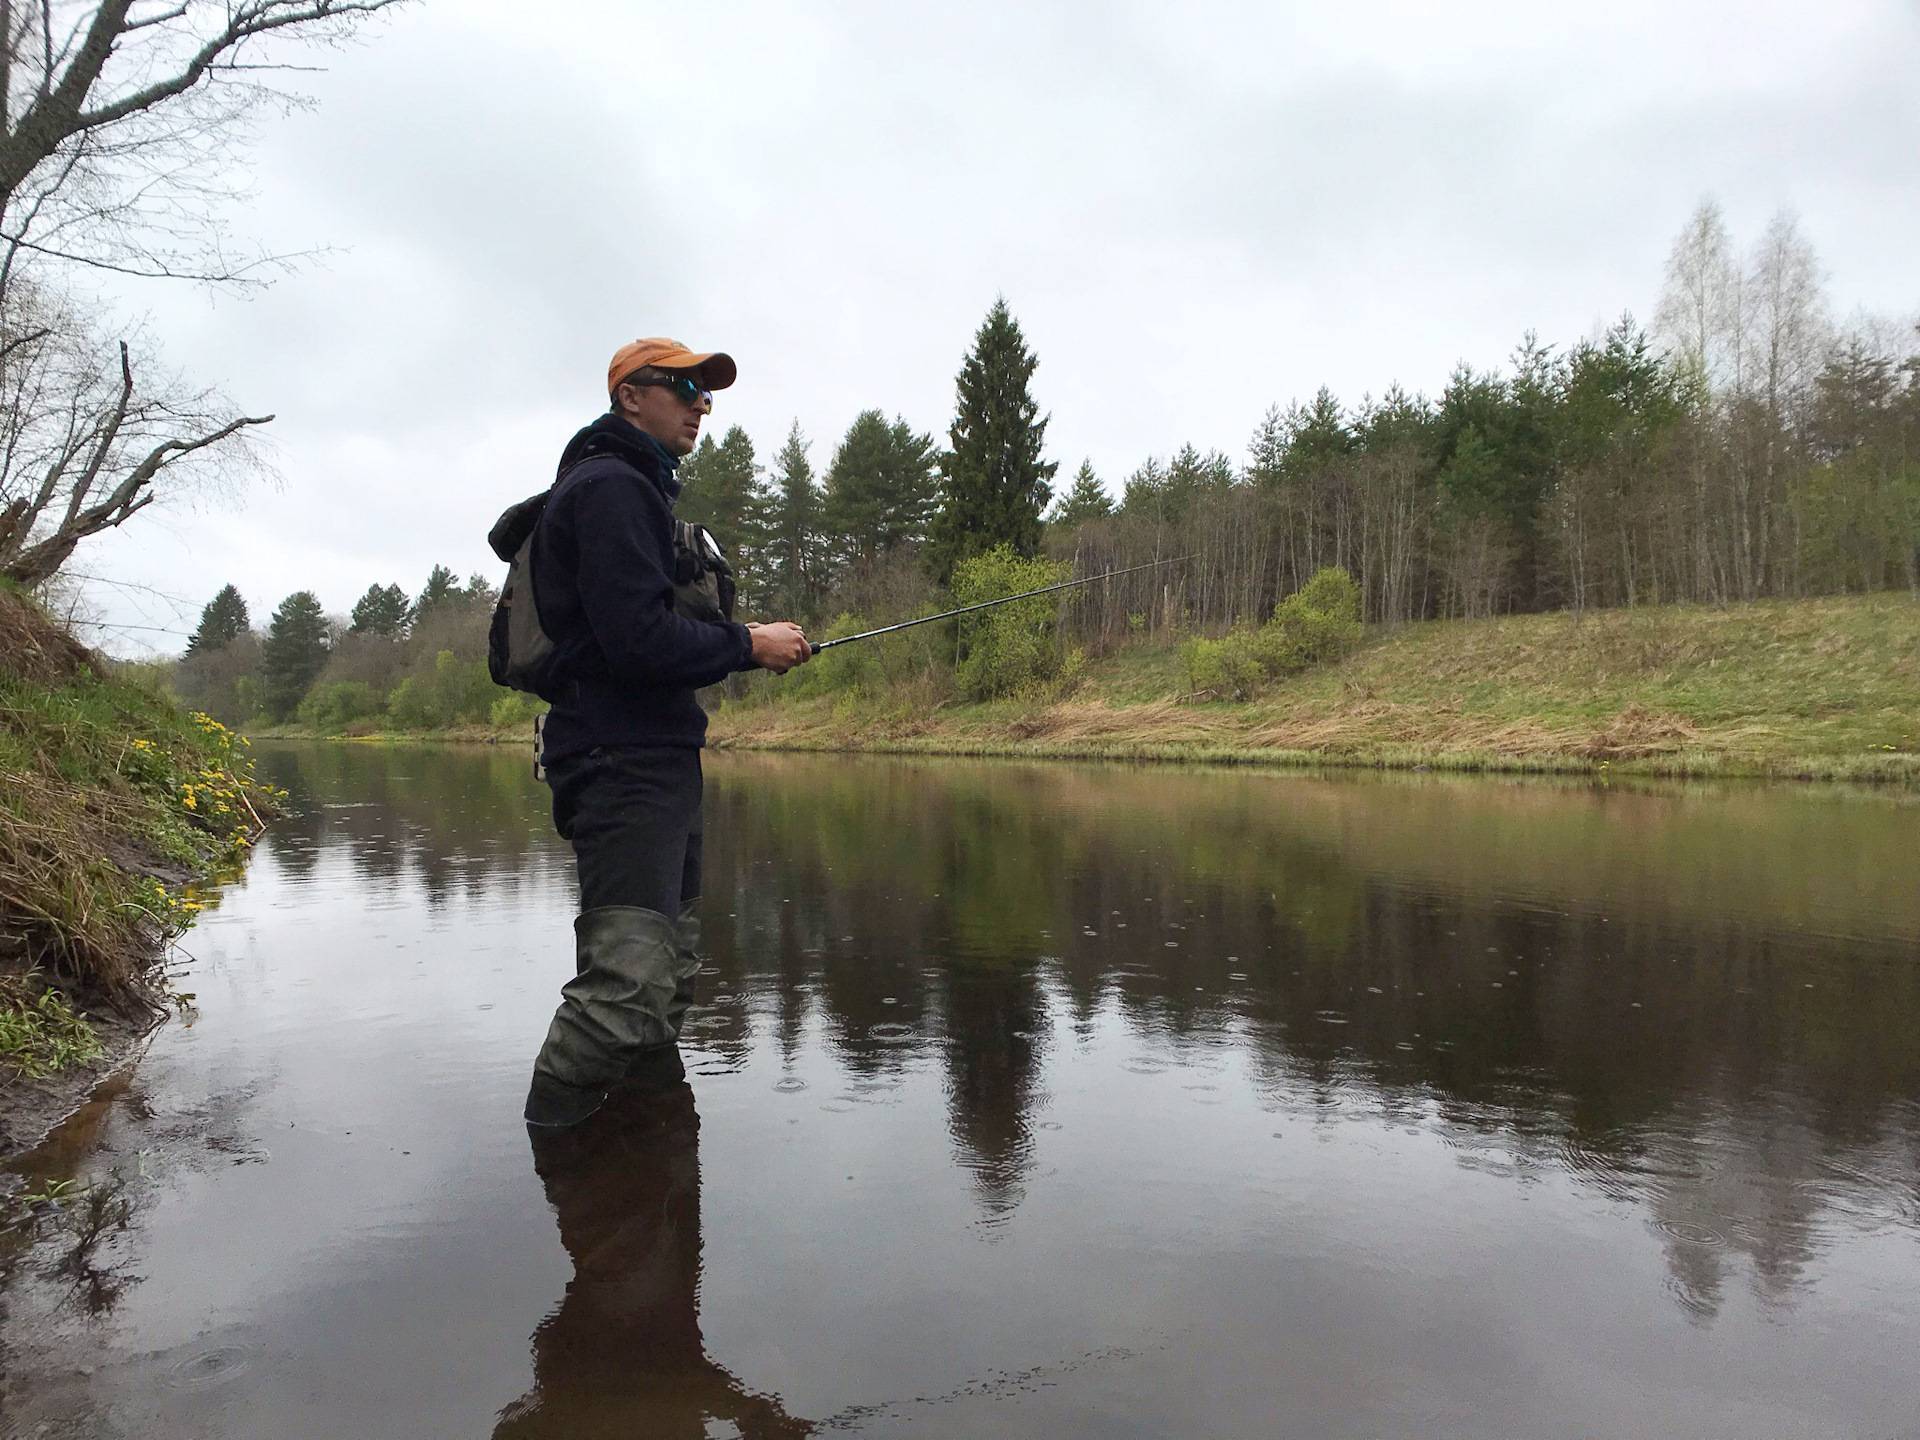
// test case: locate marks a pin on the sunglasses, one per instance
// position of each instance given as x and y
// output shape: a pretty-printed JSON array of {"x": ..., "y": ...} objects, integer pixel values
[{"x": 685, "y": 389}]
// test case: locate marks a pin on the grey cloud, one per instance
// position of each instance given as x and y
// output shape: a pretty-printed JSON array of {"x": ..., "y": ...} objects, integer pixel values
[{"x": 1195, "y": 212}]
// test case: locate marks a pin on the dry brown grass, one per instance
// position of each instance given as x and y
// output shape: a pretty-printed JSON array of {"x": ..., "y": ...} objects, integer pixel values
[
  {"x": 1636, "y": 732},
  {"x": 34, "y": 650},
  {"x": 1080, "y": 722}
]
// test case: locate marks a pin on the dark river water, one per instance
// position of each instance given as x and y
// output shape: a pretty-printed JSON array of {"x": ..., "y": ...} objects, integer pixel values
[{"x": 1026, "y": 1100}]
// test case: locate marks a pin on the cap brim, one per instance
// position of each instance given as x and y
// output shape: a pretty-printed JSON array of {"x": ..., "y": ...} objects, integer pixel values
[{"x": 714, "y": 371}]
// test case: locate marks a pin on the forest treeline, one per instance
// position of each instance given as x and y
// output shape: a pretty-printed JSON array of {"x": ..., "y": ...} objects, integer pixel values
[{"x": 1742, "y": 446}]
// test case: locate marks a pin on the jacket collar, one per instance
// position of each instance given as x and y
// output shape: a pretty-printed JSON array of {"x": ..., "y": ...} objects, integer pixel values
[{"x": 613, "y": 435}]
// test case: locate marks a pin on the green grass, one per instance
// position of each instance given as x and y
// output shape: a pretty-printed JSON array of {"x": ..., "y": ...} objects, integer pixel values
[
  {"x": 112, "y": 800},
  {"x": 1809, "y": 689},
  {"x": 40, "y": 1031}
]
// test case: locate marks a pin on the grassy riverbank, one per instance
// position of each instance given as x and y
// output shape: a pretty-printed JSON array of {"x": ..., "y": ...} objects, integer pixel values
[
  {"x": 1813, "y": 689},
  {"x": 113, "y": 803},
  {"x": 1825, "y": 689}
]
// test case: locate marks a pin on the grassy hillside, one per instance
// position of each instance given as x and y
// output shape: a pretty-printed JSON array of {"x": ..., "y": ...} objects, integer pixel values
[
  {"x": 1810, "y": 689},
  {"x": 112, "y": 802}
]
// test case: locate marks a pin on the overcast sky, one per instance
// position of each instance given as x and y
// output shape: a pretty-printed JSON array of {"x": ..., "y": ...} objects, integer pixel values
[{"x": 1194, "y": 210}]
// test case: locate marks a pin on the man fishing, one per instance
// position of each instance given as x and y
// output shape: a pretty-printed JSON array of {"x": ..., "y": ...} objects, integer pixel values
[{"x": 639, "y": 609}]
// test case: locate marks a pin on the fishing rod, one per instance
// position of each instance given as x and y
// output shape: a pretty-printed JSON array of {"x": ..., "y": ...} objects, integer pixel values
[{"x": 1003, "y": 600}]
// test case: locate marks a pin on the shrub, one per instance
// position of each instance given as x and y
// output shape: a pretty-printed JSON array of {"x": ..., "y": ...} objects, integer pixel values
[
  {"x": 410, "y": 705},
  {"x": 1013, "y": 647},
  {"x": 855, "y": 669},
  {"x": 1230, "y": 666},
  {"x": 1318, "y": 622},
  {"x": 456, "y": 692},
  {"x": 515, "y": 710},
  {"x": 331, "y": 707}
]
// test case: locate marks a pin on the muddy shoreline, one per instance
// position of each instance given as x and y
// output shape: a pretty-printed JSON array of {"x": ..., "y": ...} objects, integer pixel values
[{"x": 32, "y": 1109}]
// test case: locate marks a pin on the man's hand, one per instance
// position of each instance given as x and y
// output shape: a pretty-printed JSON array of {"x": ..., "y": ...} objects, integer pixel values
[{"x": 779, "y": 646}]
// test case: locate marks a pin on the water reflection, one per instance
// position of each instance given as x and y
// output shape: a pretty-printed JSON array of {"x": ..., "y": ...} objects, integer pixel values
[
  {"x": 1484, "y": 958},
  {"x": 626, "y": 1338},
  {"x": 1708, "y": 1003},
  {"x": 1090, "y": 1074}
]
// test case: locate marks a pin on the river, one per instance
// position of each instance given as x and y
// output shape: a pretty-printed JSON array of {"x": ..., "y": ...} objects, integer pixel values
[{"x": 1056, "y": 1100}]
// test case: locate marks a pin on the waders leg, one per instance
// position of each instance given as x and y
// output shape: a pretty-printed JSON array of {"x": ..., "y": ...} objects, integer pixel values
[{"x": 618, "y": 1007}]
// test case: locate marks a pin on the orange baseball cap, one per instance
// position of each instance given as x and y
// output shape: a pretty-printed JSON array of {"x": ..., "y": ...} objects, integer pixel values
[{"x": 712, "y": 371}]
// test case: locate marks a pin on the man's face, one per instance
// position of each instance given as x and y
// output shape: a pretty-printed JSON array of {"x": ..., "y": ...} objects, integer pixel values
[{"x": 659, "y": 410}]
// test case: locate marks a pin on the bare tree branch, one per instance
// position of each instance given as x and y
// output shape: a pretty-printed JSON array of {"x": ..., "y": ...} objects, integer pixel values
[
  {"x": 121, "y": 122},
  {"x": 157, "y": 269},
  {"x": 126, "y": 86}
]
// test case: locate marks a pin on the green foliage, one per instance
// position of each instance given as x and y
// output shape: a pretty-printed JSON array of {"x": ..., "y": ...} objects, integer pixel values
[
  {"x": 995, "y": 481},
  {"x": 794, "y": 559},
  {"x": 383, "y": 610},
  {"x": 1010, "y": 648},
  {"x": 222, "y": 621},
  {"x": 1227, "y": 668},
  {"x": 880, "y": 488},
  {"x": 515, "y": 710},
  {"x": 442, "y": 587},
  {"x": 1166, "y": 494},
  {"x": 1317, "y": 623},
  {"x": 724, "y": 491},
  {"x": 41, "y": 1033},
  {"x": 332, "y": 706},
  {"x": 846, "y": 669},
  {"x": 1086, "y": 499},
  {"x": 456, "y": 692},
  {"x": 99, "y": 769},
  {"x": 294, "y": 653}
]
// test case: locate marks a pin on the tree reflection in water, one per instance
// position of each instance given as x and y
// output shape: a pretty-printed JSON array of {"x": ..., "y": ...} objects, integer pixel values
[{"x": 1701, "y": 1002}]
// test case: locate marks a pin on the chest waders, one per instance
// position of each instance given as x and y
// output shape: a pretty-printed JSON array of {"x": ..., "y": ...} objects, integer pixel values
[{"x": 634, "y": 820}]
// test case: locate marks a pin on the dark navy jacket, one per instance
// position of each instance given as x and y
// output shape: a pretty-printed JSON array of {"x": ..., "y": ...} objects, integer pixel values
[{"x": 628, "y": 664}]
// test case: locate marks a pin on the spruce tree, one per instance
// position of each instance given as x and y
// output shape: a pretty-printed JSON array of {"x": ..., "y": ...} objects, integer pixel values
[
  {"x": 383, "y": 610},
  {"x": 881, "y": 488},
  {"x": 795, "y": 566},
  {"x": 442, "y": 586},
  {"x": 1145, "y": 495},
  {"x": 698, "y": 483},
  {"x": 995, "y": 483},
  {"x": 223, "y": 621},
  {"x": 294, "y": 653},
  {"x": 1086, "y": 499},
  {"x": 724, "y": 491}
]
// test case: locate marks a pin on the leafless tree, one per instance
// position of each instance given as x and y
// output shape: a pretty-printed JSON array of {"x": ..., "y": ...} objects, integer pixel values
[
  {"x": 119, "y": 126},
  {"x": 83, "y": 447},
  {"x": 1786, "y": 337},
  {"x": 1700, "y": 307}
]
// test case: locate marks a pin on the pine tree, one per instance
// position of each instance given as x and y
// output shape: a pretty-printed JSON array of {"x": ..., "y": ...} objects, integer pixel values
[
  {"x": 442, "y": 586},
  {"x": 795, "y": 566},
  {"x": 223, "y": 621},
  {"x": 881, "y": 488},
  {"x": 294, "y": 653},
  {"x": 383, "y": 610},
  {"x": 480, "y": 595},
  {"x": 1086, "y": 499},
  {"x": 719, "y": 487},
  {"x": 995, "y": 481},
  {"x": 1145, "y": 495},
  {"x": 698, "y": 484}
]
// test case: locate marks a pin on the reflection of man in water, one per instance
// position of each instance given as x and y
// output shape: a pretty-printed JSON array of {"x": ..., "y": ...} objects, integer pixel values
[{"x": 623, "y": 1354}]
